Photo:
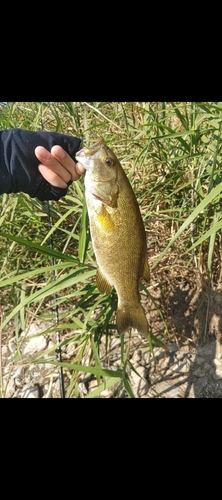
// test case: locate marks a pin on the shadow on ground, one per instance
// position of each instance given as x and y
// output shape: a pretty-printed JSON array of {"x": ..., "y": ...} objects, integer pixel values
[{"x": 192, "y": 365}]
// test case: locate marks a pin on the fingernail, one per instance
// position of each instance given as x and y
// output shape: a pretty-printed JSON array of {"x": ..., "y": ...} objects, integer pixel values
[
  {"x": 58, "y": 152},
  {"x": 43, "y": 153}
]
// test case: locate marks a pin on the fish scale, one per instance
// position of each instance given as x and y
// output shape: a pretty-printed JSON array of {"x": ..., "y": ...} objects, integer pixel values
[{"x": 117, "y": 232}]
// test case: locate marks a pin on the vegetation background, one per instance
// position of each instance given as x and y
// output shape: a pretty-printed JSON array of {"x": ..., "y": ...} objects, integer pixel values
[{"x": 171, "y": 152}]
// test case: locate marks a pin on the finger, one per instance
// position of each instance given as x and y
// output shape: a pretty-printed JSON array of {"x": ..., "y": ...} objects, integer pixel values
[
  {"x": 47, "y": 159},
  {"x": 51, "y": 176},
  {"x": 80, "y": 169},
  {"x": 66, "y": 161}
]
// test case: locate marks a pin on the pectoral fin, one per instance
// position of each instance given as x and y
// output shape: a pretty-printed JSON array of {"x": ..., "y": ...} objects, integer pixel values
[{"x": 102, "y": 283}]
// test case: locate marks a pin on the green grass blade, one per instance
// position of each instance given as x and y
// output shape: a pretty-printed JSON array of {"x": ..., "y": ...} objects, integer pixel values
[
  {"x": 35, "y": 247},
  {"x": 211, "y": 233},
  {"x": 102, "y": 387},
  {"x": 203, "y": 204}
]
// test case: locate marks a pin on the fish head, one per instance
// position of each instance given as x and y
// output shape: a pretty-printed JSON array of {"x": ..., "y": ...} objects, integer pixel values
[
  {"x": 99, "y": 160},
  {"x": 101, "y": 166}
]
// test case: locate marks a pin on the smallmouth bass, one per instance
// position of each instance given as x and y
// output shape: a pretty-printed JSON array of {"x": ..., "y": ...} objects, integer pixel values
[{"x": 117, "y": 233}]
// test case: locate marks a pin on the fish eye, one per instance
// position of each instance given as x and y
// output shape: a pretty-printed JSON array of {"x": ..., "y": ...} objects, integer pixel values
[{"x": 109, "y": 162}]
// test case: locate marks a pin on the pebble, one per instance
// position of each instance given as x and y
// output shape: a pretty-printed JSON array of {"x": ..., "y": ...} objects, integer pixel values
[
  {"x": 146, "y": 357},
  {"x": 12, "y": 345},
  {"x": 136, "y": 357},
  {"x": 30, "y": 392},
  {"x": 139, "y": 382},
  {"x": 199, "y": 372},
  {"x": 183, "y": 368},
  {"x": 173, "y": 347},
  {"x": 82, "y": 388},
  {"x": 92, "y": 385},
  {"x": 207, "y": 367},
  {"x": 180, "y": 355},
  {"x": 36, "y": 344},
  {"x": 4, "y": 350},
  {"x": 217, "y": 362},
  {"x": 218, "y": 351},
  {"x": 218, "y": 370},
  {"x": 9, "y": 387},
  {"x": 199, "y": 360},
  {"x": 115, "y": 342},
  {"x": 18, "y": 376},
  {"x": 207, "y": 349}
]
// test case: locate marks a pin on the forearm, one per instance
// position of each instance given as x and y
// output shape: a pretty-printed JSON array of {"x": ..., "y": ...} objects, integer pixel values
[{"x": 19, "y": 165}]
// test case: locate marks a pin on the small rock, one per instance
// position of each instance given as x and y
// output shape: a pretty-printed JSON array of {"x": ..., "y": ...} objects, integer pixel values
[
  {"x": 9, "y": 387},
  {"x": 146, "y": 357},
  {"x": 92, "y": 385},
  {"x": 173, "y": 347},
  {"x": 19, "y": 372},
  {"x": 218, "y": 373},
  {"x": 136, "y": 356},
  {"x": 4, "y": 350},
  {"x": 199, "y": 372},
  {"x": 113, "y": 357},
  {"x": 106, "y": 393},
  {"x": 180, "y": 355},
  {"x": 115, "y": 342},
  {"x": 217, "y": 362},
  {"x": 35, "y": 328},
  {"x": 118, "y": 362},
  {"x": 183, "y": 368},
  {"x": 199, "y": 360},
  {"x": 36, "y": 344},
  {"x": 82, "y": 388},
  {"x": 142, "y": 362},
  {"x": 51, "y": 345},
  {"x": 218, "y": 350},
  {"x": 135, "y": 361},
  {"x": 6, "y": 369},
  {"x": 139, "y": 382},
  {"x": 28, "y": 379},
  {"x": 207, "y": 349},
  {"x": 30, "y": 392},
  {"x": 18, "y": 376},
  {"x": 12, "y": 345},
  {"x": 173, "y": 392},
  {"x": 189, "y": 362},
  {"x": 212, "y": 371},
  {"x": 207, "y": 366},
  {"x": 159, "y": 355}
]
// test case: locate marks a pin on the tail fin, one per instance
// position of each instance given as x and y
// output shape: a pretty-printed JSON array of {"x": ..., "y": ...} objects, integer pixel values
[{"x": 132, "y": 317}]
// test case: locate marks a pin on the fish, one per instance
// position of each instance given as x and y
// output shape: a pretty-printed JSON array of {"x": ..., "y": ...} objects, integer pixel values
[{"x": 117, "y": 233}]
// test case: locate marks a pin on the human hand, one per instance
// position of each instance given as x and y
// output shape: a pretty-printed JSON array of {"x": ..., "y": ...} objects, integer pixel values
[{"x": 57, "y": 167}]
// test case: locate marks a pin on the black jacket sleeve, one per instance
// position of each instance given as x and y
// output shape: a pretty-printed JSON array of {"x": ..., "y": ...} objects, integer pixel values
[{"x": 19, "y": 165}]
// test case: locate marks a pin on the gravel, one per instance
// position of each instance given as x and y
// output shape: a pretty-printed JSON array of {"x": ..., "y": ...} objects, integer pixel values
[{"x": 183, "y": 370}]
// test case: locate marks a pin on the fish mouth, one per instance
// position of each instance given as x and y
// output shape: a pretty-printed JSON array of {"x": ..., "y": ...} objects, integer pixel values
[
  {"x": 86, "y": 160},
  {"x": 80, "y": 153},
  {"x": 90, "y": 152}
]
